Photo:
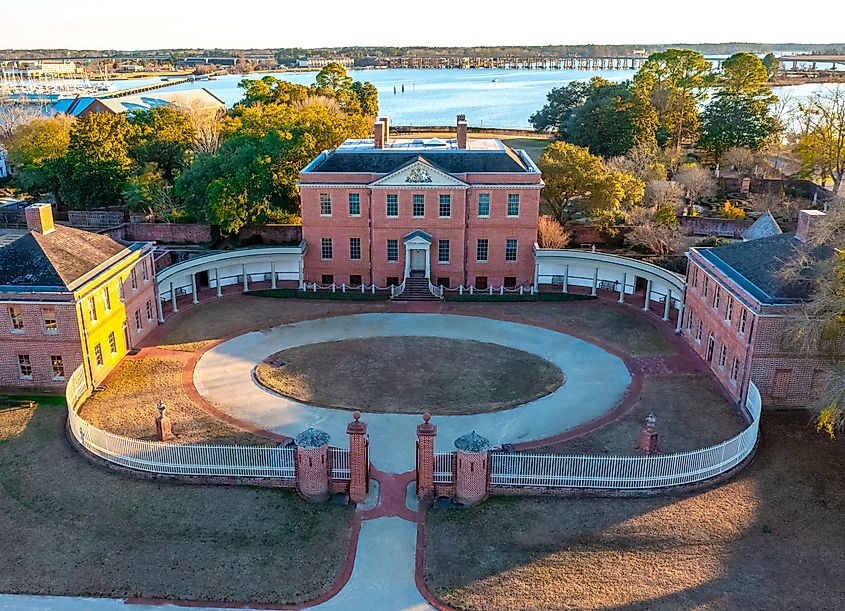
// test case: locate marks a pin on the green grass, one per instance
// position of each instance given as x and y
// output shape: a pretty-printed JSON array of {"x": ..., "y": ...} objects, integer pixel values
[
  {"x": 481, "y": 297},
  {"x": 350, "y": 295}
]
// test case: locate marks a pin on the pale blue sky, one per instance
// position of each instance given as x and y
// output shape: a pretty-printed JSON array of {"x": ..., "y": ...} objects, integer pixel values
[{"x": 148, "y": 24}]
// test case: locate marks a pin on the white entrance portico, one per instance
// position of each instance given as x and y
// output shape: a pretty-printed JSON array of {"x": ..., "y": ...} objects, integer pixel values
[{"x": 417, "y": 254}]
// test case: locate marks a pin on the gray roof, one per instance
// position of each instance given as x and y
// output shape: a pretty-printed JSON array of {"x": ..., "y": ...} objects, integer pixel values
[
  {"x": 756, "y": 266},
  {"x": 56, "y": 259},
  {"x": 312, "y": 438},
  {"x": 472, "y": 442},
  {"x": 763, "y": 227},
  {"x": 417, "y": 233},
  {"x": 450, "y": 161}
]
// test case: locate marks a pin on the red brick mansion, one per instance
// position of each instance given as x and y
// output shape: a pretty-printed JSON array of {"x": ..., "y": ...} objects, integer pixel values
[
  {"x": 456, "y": 212},
  {"x": 737, "y": 309}
]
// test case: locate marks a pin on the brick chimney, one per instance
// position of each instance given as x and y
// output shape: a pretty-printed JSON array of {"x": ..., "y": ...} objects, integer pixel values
[
  {"x": 386, "y": 132},
  {"x": 808, "y": 220},
  {"x": 39, "y": 217},
  {"x": 378, "y": 128},
  {"x": 462, "y": 132}
]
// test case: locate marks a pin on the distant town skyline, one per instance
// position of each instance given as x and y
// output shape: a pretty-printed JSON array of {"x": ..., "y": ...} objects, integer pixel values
[{"x": 262, "y": 24}]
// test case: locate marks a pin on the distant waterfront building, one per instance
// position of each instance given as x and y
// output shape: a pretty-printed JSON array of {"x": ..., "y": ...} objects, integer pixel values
[
  {"x": 32, "y": 68},
  {"x": 190, "y": 99},
  {"x": 737, "y": 309},
  {"x": 318, "y": 63},
  {"x": 69, "y": 298},
  {"x": 457, "y": 212}
]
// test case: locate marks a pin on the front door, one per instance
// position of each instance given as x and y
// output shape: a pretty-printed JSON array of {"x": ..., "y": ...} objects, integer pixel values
[{"x": 418, "y": 260}]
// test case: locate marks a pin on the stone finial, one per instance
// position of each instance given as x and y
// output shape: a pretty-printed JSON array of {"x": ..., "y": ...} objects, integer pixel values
[
  {"x": 426, "y": 428},
  {"x": 472, "y": 442},
  {"x": 426, "y": 417},
  {"x": 312, "y": 438},
  {"x": 651, "y": 421},
  {"x": 162, "y": 408},
  {"x": 164, "y": 427},
  {"x": 648, "y": 436},
  {"x": 356, "y": 415},
  {"x": 356, "y": 426}
]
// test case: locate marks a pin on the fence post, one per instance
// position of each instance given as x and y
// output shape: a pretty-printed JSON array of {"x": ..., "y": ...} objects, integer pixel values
[
  {"x": 359, "y": 460},
  {"x": 426, "y": 432},
  {"x": 472, "y": 472},
  {"x": 312, "y": 465}
]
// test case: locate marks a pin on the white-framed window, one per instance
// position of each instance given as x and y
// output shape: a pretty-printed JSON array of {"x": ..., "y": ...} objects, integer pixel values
[
  {"x": 443, "y": 251},
  {"x": 325, "y": 204},
  {"x": 694, "y": 277},
  {"x": 58, "y": 364},
  {"x": 106, "y": 299},
  {"x": 735, "y": 370},
  {"x": 24, "y": 367},
  {"x": 445, "y": 206},
  {"x": 355, "y": 249},
  {"x": 723, "y": 357},
  {"x": 482, "y": 250},
  {"x": 699, "y": 331},
  {"x": 711, "y": 348},
  {"x": 326, "y": 249},
  {"x": 706, "y": 286},
  {"x": 133, "y": 276},
  {"x": 511, "y": 248},
  {"x": 98, "y": 354},
  {"x": 121, "y": 292},
  {"x": 51, "y": 325},
  {"x": 149, "y": 310},
  {"x": 392, "y": 250},
  {"x": 392, "y": 204},
  {"x": 138, "y": 324},
  {"x": 145, "y": 272},
  {"x": 16, "y": 317},
  {"x": 743, "y": 320},
  {"x": 418, "y": 205},
  {"x": 483, "y": 205},
  {"x": 92, "y": 309},
  {"x": 689, "y": 321},
  {"x": 513, "y": 204},
  {"x": 717, "y": 293},
  {"x": 729, "y": 310},
  {"x": 354, "y": 204},
  {"x": 112, "y": 343}
]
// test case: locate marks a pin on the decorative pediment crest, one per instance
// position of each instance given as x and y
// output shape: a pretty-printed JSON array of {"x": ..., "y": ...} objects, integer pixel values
[{"x": 418, "y": 174}]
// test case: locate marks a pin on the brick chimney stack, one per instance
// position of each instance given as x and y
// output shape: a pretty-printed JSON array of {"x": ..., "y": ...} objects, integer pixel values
[
  {"x": 808, "y": 220},
  {"x": 462, "y": 132},
  {"x": 379, "y": 134},
  {"x": 39, "y": 217},
  {"x": 386, "y": 130}
]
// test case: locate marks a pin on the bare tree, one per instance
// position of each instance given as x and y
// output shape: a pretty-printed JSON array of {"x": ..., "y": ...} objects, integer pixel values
[
  {"x": 643, "y": 161},
  {"x": 652, "y": 235},
  {"x": 663, "y": 194},
  {"x": 697, "y": 181},
  {"x": 206, "y": 124},
  {"x": 14, "y": 113},
  {"x": 782, "y": 208},
  {"x": 821, "y": 142},
  {"x": 552, "y": 234},
  {"x": 740, "y": 158}
]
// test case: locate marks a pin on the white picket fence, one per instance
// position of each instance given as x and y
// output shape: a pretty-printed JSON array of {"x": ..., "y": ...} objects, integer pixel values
[
  {"x": 340, "y": 463},
  {"x": 627, "y": 472},
  {"x": 444, "y": 467},
  {"x": 173, "y": 459}
]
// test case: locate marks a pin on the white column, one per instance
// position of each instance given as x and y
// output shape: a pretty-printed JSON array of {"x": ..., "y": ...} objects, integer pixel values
[
  {"x": 622, "y": 290},
  {"x": 272, "y": 274},
  {"x": 679, "y": 327},
  {"x": 428, "y": 262},
  {"x": 194, "y": 297},
  {"x": 173, "y": 298},
  {"x": 301, "y": 272},
  {"x": 668, "y": 305},
  {"x": 407, "y": 261},
  {"x": 536, "y": 276},
  {"x": 246, "y": 278},
  {"x": 158, "y": 304},
  {"x": 566, "y": 278},
  {"x": 595, "y": 282},
  {"x": 217, "y": 281},
  {"x": 647, "y": 294}
]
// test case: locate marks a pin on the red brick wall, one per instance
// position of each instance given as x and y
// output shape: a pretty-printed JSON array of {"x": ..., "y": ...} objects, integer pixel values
[
  {"x": 39, "y": 345},
  {"x": 471, "y": 475},
  {"x": 195, "y": 233},
  {"x": 312, "y": 472},
  {"x": 272, "y": 234},
  {"x": 699, "y": 225}
]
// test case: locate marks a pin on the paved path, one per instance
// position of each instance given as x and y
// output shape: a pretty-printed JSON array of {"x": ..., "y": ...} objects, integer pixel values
[{"x": 595, "y": 383}]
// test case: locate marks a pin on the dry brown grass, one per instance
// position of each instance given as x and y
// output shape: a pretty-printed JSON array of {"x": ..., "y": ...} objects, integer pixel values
[
  {"x": 410, "y": 375},
  {"x": 127, "y": 406},
  {"x": 691, "y": 413},
  {"x": 71, "y": 528},
  {"x": 770, "y": 539}
]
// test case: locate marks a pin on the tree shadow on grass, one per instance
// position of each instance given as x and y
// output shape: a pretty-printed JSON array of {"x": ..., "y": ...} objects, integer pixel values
[
  {"x": 770, "y": 538},
  {"x": 72, "y": 528}
]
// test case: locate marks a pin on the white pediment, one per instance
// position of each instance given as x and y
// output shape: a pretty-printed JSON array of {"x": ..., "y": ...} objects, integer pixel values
[{"x": 418, "y": 175}]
